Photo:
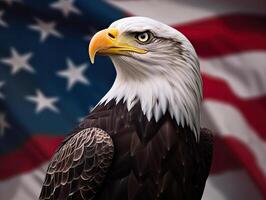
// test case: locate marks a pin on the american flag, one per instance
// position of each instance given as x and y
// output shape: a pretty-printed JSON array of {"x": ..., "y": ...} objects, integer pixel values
[{"x": 47, "y": 84}]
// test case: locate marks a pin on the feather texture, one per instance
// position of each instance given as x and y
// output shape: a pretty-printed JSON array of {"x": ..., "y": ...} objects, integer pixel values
[
  {"x": 79, "y": 167},
  {"x": 152, "y": 160},
  {"x": 128, "y": 157}
]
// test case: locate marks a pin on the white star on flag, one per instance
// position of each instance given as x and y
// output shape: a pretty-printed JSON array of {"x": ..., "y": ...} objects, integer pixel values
[
  {"x": 45, "y": 29},
  {"x": 10, "y": 2},
  {"x": 2, "y": 83},
  {"x": 3, "y": 124},
  {"x": 43, "y": 102},
  {"x": 18, "y": 62},
  {"x": 66, "y": 7},
  {"x": 74, "y": 74},
  {"x": 2, "y": 22}
]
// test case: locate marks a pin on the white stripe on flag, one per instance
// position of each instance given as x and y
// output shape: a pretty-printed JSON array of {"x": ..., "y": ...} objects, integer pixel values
[
  {"x": 244, "y": 72},
  {"x": 23, "y": 187},
  {"x": 231, "y": 185},
  {"x": 226, "y": 120},
  {"x": 178, "y": 12}
]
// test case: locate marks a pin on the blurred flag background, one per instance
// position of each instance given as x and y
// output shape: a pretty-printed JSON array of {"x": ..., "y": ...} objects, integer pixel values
[{"x": 47, "y": 84}]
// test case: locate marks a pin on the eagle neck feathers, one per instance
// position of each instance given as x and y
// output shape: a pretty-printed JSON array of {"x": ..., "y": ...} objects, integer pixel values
[{"x": 177, "y": 91}]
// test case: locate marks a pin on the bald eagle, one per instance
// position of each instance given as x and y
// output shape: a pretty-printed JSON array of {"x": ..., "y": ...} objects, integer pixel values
[{"x": 143, "y": 140}]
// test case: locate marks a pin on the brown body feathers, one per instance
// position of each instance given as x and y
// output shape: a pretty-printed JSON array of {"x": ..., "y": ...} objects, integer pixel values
[{"x": 118, "y": 154}]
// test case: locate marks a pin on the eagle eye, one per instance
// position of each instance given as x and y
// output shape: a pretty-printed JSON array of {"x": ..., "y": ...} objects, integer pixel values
[{"x": 144, "y": 37}]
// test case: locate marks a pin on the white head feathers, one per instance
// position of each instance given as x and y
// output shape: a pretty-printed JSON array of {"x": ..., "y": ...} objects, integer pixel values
[{"x": 166, "y": 78}]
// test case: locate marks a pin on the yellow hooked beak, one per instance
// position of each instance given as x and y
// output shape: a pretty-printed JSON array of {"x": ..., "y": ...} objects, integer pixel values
[{"x": 107, "y": 42}]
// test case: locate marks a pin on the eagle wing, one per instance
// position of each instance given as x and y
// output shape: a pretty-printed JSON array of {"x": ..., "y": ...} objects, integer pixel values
[{"x": 79, "y": 166}]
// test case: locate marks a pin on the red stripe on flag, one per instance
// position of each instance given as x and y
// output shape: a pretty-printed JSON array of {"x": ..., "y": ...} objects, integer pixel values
[
  {"x": 223, "y": 35},
  {"x": 254, "y": 110},
  {"x": 223, "y": 159},
  {"x": 32, "y": 154}
]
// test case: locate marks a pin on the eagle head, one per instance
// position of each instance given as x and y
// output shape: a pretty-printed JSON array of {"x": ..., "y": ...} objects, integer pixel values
[{"x": 156, "y": 65}]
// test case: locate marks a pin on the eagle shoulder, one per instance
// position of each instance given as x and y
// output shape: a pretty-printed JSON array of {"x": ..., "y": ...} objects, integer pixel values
[
  {"x": 206, "y": 148},
  {"x": 79, "y": 166}
]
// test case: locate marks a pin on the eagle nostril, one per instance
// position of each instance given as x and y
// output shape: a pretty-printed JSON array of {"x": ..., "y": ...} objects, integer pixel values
[{"x": 111, "y": 35}]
